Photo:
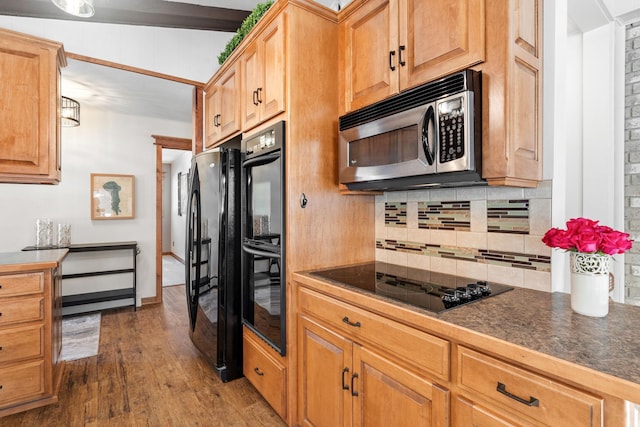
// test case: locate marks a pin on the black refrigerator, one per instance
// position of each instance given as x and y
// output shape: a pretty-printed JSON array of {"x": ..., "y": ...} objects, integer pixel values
[{"x": 212, "y": 264}]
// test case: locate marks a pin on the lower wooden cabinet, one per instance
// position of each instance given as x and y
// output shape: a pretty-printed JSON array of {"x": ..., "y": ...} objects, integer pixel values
[
  {"x": 30, "y": 339},
  {"x": 343, "y": 383},
  {"x": 263, "y": 369},
  {"x": 531, "y": 398}
]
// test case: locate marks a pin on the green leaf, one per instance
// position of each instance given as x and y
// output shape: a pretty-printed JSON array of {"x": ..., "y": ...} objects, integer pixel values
[{"x": 246, "y": 26}]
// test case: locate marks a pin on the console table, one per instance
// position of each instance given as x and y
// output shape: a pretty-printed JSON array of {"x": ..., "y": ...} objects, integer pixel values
[{"x": 80, "y": 303}]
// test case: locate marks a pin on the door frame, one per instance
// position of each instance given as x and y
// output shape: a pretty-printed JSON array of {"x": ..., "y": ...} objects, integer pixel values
[
  {"x": 162, "y": 142},
  {"x": 195, "y": 145}
]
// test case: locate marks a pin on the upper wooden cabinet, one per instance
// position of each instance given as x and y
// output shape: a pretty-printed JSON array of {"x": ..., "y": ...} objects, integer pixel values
[
  {"x": 30, "y": 99},
  {"x": 387, "y": 46},
  {"x": 264, "y": 75},
  {"x": 390, "y": 45},
  {"x": 512, "y": 94},
  {"x": 222, "y": 106}
]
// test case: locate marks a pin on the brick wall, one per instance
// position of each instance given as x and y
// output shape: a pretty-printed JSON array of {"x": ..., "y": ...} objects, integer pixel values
[{"x": 632, "y": 162}]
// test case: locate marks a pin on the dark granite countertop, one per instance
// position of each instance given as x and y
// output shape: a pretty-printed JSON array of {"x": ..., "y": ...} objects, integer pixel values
[
  {"x": 22, "y": 261},
  {"x": 544, "y": 322}
]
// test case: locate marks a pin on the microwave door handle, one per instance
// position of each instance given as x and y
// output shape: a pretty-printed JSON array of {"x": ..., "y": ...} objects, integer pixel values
[
  {"x": 428, "y": 138},
  {"x": 261, "y": 160},
  {"x": 258, "y": 252}
]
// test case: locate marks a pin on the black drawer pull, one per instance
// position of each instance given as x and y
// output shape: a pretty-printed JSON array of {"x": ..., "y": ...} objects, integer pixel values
[
  {"x": 259, "y": 372},
  {"x": 353, "y": 390},
  {"x": 531, "y": 402},
  {"x": 344, "y": 386},
  {"x": 346, "y": 320}
]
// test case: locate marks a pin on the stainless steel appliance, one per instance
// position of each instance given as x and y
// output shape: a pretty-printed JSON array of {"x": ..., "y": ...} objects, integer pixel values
[
  {"x": 263, "y": 242},
  {"x": 426, "y": 136},
  {"x": 435, "y": 292},
  {"x": 212, "y": 265}
]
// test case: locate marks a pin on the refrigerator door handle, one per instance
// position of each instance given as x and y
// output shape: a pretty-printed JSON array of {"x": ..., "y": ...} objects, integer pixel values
[{"x": 257, "y": 252}]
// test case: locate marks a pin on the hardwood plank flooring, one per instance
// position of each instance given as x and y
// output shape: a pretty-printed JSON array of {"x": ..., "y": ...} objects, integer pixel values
[{"x": 148, "y": 373}]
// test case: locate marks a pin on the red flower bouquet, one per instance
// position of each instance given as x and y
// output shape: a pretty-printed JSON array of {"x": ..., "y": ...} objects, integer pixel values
[{"x": 585, "y": 235}]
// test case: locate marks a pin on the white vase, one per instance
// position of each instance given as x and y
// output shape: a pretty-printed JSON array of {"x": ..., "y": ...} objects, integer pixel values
[{"x": 590, "y": 284}]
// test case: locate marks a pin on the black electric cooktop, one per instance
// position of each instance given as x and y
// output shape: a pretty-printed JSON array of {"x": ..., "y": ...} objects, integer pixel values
[{"x": 431, "y": 291}]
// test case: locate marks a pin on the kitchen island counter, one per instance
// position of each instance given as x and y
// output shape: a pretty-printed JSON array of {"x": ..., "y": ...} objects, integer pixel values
[{"x": 536, "y": 329}]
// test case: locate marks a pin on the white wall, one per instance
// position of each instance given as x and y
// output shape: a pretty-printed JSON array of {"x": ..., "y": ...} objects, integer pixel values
[
  {"x": 190, "y": 54},
  {"x": 584, "y": 119},
  {"x": 178, "y": 222},
  {"x": 167, "y": 200},
  {"x": 103, "y": 143}
]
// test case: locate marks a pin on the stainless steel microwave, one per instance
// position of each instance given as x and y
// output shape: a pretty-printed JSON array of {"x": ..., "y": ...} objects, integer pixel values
[{"x": 427, "y": 136}]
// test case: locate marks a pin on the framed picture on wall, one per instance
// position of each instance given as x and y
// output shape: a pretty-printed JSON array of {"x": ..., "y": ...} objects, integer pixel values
[{"x": 112, "y": 196}]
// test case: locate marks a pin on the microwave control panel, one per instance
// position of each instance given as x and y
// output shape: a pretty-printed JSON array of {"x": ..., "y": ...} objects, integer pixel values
[{"x": 451, "y": 126}]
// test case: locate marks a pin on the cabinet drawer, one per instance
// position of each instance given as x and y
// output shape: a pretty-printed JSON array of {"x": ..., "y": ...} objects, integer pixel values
[
  {"x": 426, "y": 352},
  {"x": 21, "y": 284},
  {"x": 21, "y": 310},
  {"x": 542, "y": 399},
  {"x": 266, "y": 374},
  {"x": 21, "y": 343},
  {"x": 21, "y": 382}
]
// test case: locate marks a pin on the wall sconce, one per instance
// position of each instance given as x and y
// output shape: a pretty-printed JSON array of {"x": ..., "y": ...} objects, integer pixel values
[
  {"x": 81, "y": 8},
  {"x": 70, "y": 112}
]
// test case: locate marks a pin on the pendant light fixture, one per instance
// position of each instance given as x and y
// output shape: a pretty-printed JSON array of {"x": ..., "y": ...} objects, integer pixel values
[
  {"x": 70, "y": 112},
  {"x": 81, "y": 8}
]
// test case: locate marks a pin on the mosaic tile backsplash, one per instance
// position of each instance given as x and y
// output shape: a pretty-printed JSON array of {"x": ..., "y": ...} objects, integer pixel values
[{"x": 485, "y": 233}]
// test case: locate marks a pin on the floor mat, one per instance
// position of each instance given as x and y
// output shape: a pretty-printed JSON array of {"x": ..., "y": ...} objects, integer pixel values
[{"x": 80, "y": 336}]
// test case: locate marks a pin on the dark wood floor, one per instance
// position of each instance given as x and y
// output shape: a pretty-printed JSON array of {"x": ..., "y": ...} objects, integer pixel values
[{"x": 148, "y": 373}]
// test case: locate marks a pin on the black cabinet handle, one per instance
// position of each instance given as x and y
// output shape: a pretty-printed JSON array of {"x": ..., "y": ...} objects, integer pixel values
[
  {"x": 258, "y": 371},
  {"x": 218, "y": 120},
  {"x": 346, "y": 320},
  {"x": 391, "y": 55},
  {"x": 259, "y": 92},
  {"x": 255, "y": 97},
  {"x": 400, "y": 60},
  {"x": 344, "y": 385},
  {"x": 531, "y": 402},
  {"x": 353, "y": 390}
]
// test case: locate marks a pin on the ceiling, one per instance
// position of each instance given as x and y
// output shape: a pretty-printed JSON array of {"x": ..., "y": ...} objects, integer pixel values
[{"x": 127, "y": 92}]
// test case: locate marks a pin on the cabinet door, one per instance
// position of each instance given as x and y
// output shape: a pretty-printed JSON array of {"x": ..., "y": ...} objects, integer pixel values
[
  {"x": 388, "y": 395},
  {"x": 439, "y": 37},
  {"x": 264, "y": 84},
  {"x": 229, "y": 119},
  {"x": 211, "y": 102},
  {"x": 29, "y": 150},
  {"x": 324, "y": 381},
  {"x": 369, "y": 49},
  {"x": 271, "y": 95},
  {"x": 251, "y": 80}
]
